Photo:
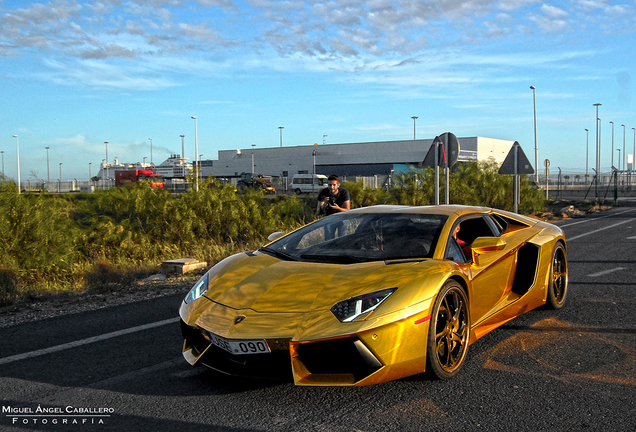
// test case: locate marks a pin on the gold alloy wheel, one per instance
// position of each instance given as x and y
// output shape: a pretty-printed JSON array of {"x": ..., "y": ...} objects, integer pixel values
[
  {"x": 558, "y": 288},
  {"x": 449, "y": 332}
]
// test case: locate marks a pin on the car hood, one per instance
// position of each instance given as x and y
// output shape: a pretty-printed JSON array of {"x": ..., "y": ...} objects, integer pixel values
[{"x": 267, "y": 284}]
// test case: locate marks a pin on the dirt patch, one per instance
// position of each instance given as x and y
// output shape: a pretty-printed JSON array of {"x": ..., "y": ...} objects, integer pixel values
[{"x": 568, "y": 209}]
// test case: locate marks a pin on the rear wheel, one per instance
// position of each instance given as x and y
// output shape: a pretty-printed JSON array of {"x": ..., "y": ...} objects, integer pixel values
[
  {"x": 298, "y": 191},
  {"x": 558, "y": 286},
  {"x": 449, "y": 331}
]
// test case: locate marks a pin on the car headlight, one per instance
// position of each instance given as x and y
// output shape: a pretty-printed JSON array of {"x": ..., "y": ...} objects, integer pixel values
[
  {"x": 348, "y": 310},
  {"x": 198, "y": 289}
]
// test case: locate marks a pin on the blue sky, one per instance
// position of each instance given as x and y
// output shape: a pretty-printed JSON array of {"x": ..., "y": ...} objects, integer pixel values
[{"x": 77, "y": 73}]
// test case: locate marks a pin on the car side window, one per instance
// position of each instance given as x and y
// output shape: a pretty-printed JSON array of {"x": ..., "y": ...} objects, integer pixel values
[{"x": 454, "y": 252}]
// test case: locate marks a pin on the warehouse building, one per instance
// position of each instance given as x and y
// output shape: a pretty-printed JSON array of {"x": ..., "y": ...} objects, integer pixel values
[{"x": 354, "y": 159}]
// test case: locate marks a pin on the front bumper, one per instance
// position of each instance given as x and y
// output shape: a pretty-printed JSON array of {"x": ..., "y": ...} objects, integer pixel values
[{"x": 364, "y": 358}]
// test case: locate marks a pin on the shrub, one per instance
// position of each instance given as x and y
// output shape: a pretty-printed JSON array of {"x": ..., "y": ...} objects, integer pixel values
[{"x": 8, "y": 287}]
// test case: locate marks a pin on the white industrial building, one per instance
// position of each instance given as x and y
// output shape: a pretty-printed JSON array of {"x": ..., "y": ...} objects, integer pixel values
[{"x": 367, "y": 159}]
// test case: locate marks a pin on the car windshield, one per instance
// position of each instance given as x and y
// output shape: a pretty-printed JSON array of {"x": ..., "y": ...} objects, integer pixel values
[{"x": 358, "y": 237}]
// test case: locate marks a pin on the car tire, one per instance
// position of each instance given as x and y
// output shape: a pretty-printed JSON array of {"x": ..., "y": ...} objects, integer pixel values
[
  {"x": 449, "y": 332},
  {"x": 558, "y": 284},
  {"x": 297, "y": 191}
]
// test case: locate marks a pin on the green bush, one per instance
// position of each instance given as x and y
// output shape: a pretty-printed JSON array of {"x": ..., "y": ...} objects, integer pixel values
[
  {"x": 38, "y": 237},
  {"x": 8, "y": 287}
]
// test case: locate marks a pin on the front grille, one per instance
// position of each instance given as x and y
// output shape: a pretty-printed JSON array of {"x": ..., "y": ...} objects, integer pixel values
[
  {"x": 194, "y": 338},
  {"x": 340, "y": 356},
  {"x": 275, "y": 365}
]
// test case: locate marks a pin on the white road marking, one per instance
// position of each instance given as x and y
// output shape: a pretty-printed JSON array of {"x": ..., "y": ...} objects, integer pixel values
[
  {"x": 604, "y": 272},
  {"x": 569, "y": 239},
  {"x": 86, "y": 341},
  {"x": 631, "y": 238}
]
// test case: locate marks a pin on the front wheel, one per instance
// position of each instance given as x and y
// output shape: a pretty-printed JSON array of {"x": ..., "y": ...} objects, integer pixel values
[
  {"x": 558, "y": 285},
  {"x": 297, "y": 191},
  {"x": 449, "y": 330}
]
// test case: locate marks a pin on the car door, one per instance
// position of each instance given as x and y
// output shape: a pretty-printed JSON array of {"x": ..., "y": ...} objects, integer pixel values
[{"x": 491, "y": 272}]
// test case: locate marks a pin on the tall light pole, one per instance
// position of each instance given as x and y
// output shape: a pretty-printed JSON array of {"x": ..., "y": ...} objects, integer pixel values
[
  {"x": 623, "y": 147},
  {"x": 598, "y": 168},
  {"x": 312, "y": 180},
  {"x": 59, "y": 185},
  {"x": 2, "y": 152},
  {"x": 182, "y": 147},
  {"x": 280, "y": 128},
  {"x": 17, "y": 149},
  {"x": 89, "y": 172},
  {"x": 634, "y": 154},
  {"x": 612, "y": 153},
  {"x": 323, "y": 139},
  {"x": 536, "y": 148},
  {"x": 196, "y": 153},
  {"x": 106, "y": 144},
  {"x": 414, "y": 118},
  {"x": 48, "y": 178},
  {"x": 150, "y": 139},
  {"x": 253, "y": 145},
  {"x": 587, "y": 152}
]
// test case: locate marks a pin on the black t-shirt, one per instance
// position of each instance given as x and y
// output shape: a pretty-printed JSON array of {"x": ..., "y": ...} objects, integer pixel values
[{"x": 339, "y": 199}]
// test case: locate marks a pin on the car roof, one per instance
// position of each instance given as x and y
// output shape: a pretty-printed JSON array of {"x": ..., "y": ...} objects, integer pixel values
[{"x": 451, "y": 210}]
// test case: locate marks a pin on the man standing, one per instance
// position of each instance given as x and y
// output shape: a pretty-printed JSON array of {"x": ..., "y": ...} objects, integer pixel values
[{"x": 333, "y": 198}]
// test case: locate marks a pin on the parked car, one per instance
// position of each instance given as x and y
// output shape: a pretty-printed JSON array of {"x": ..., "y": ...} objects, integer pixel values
[{"x": 373, "y": 294}]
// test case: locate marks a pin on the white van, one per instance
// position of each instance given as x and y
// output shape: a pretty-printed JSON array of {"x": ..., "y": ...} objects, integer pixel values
[{"x": 308, "y": 183}]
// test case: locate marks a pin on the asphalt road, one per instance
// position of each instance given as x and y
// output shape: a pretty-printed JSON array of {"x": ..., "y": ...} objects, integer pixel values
[{"x": 120, "y": 368}]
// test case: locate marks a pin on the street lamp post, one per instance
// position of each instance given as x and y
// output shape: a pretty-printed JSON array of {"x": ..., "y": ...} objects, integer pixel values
[
  {"x": 150, "y": 151},
  {"x": 612, "y": 153},
  {"x": 59, "y": 185},
  {"x": 623, "y": 164},
  {"x": 143, "y": 163},
  {"x": 587, "y": 152},
  {"x": 280, "y": 128},
  {"x": 106, "y": 165},
  {"x": 598, "y": 168},
  {"x": 2, "y": 152},
  {"x": 182, "y": 147},
  {"x": 536, "y": 148},
  {"x": 17, "y": 148},
  {"x": 323, "y": 139},
  {"x": 314, "y": 154},
  {"x": 89, "y": 172},
  {"x": 634, "y": 153},
  {"x": 196, "y": 154},
  {"x": 253, "y": 145},
  {"x": 414, "y": 118},
  {"x": 48, "y": 177}
]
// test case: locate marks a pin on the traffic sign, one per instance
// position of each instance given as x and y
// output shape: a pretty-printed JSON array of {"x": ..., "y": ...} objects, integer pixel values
[
  {"x": 519, "y": 166},
  {"x": 447, "y": 146}
]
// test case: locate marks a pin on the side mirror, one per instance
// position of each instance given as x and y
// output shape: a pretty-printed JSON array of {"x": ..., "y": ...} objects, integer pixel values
[
  {"x": 275, "y": 236},
  {"x": 484, "y": 245}
]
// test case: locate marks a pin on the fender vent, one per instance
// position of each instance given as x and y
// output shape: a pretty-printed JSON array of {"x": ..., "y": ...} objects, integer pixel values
[{"x": 526, "y": 273}]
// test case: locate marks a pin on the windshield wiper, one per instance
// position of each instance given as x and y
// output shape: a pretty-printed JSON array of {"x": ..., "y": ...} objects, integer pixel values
[
  {"x": 279, "y": 254},
  {"x": 335, "y": 259}
]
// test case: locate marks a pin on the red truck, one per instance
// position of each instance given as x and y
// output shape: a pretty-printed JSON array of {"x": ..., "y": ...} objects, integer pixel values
[{"x": 127, "y": 177}]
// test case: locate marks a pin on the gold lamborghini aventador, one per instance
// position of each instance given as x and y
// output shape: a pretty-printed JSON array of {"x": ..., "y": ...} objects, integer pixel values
[{"x": 373, "y": 294}]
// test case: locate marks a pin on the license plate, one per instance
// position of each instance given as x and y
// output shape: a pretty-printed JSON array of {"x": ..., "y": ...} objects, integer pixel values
[{"x": 240, "y": 347}]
